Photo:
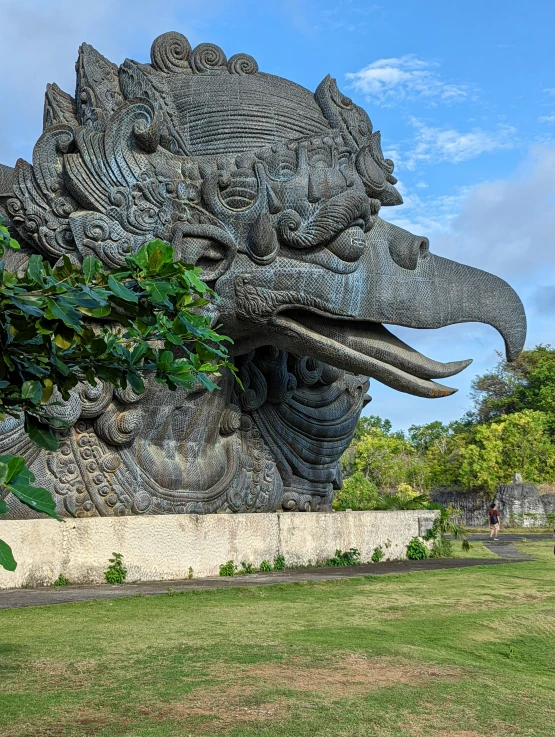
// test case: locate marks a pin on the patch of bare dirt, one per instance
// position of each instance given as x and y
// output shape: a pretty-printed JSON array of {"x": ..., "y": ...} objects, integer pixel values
[
  {"x": 349, "y": 675},
  {"x": 240, "y": 693}
]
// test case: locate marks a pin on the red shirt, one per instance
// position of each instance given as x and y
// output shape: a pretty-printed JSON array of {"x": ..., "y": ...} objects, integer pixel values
[{"x": 493, "y": 512}]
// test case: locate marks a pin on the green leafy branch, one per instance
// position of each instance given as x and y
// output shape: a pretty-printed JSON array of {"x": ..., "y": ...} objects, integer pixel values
[{"x": 70, "y": 323}]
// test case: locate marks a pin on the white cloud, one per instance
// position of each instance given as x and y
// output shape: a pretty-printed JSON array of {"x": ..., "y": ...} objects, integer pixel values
[
  {"x": 547, "y": 118},
  {"x": 387, "y": 81},
  {"x": 508, "y": 226},
  {"x": 432, "y": 144},
  {"x": 505, "y": 226},
  {"x": 425, "y": 215}
]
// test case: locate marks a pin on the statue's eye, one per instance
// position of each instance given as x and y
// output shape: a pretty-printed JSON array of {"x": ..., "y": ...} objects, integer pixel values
[
  {"x": 320, "y": 158},
  {"x": 344, "y": 160}
]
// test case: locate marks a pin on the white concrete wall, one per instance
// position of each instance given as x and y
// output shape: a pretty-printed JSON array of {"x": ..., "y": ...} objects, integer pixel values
[{"x": 163, "y": 547}]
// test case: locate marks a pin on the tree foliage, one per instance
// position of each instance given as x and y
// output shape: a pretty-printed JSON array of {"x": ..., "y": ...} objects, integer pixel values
[
  {"x": 357, "y": 493},
  {"x": 511, "y": 430},
  {"x": 69, "y": 323},
  {"x": 526, "y": 383}
]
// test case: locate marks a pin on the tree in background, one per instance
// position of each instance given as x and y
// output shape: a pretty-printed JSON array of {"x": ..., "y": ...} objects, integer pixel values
[
  {"x": 519, "y": 442},
  {"x": 385, "y": 459},
  {"x": 526, "y": 383},
  {"x": 358, "y": 493},
  {"x": 70, "y": 323},
  {"x": 512, "y": 429}
]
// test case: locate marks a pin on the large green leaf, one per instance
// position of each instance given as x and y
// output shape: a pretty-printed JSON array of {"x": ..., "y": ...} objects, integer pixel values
[
  {"x": 135, "y": 382},
  {"x": 91, "y": 267},
  {"x": 65, "y": 313},
  {"x": 121, "y": 291},
  {"x": 35, "y": 497},
  {"x": 7, "y": 560},
  {"x": 32, "y": 390},
  {"x": 14, "y": 466},
  {"x": 158, "y": 291},
  {"x": 3, "y": 507},
  {"x": 138, "y": 353},
  {"x": 158, "y": 253},
  {"x": 35, "y": 266},
  {"x": 196, "y": 283},
  {"x": 27, "y": 305},
  {"x": 40, "y": 433}
]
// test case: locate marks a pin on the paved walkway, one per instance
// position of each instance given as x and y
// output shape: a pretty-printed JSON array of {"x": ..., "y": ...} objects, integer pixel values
[
  {"x": 13, "y": 598},
  {"x": 506, "y": 549},
  {"x": 509, "y": 537}
]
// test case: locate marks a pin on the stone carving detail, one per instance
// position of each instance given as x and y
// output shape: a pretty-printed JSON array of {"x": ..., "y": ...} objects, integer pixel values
[{"x": 276, "y": 193}]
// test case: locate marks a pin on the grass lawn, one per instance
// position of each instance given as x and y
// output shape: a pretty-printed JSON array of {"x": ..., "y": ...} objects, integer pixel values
[{"x": 460, "y": 653}]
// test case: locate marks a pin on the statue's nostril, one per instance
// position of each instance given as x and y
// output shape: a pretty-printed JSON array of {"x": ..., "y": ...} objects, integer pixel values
[{"x": 407, "y": 249}]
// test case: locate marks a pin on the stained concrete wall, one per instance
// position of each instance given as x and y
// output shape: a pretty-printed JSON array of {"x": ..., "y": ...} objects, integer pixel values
[{"x": 163, "y": 547}]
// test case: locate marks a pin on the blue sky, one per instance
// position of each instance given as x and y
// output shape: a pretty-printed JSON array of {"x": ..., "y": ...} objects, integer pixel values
[{"x": 463, "y": 92}]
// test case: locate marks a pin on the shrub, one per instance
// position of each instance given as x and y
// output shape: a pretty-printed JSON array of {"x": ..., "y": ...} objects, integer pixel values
[
  {"x": 357, "y": 494},
  {"x": 266, "y": 566},
  {"x": 228, "y": 569},
  {"x": 61, "y": 581},
  {"x": 378, "y": 554},
  {"x": 115, "y": 573},
  {"x": 416, "y": 550},
  {"x": 247, "y": 567},
  {"x": 441, "y": 548},
  {"x": 190, "y": 575},
  {"x": 348, "y": 558},
  {"x": 279, "y": 563}
]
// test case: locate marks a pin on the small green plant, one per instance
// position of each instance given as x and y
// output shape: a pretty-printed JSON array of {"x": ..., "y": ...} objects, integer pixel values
[
  {"x": 378, "y": 554},
  {"x": 228, "y": 569},
  {"x": 348, "y": 558},
  {"x": 266, "y": 566},
  {"x": 190, "y": 575},
  {"x": 115, "y": 572},
  {"x": 61, "y": 581},
  {"x": 279, "y": 563},
  {"x": 171, "y": 592},
  {"x": 247, "y": 567},
  {"x": 441, "y": 548},
  {"x": 511, "y": 652},
  {"x": 416, "y": 550}
]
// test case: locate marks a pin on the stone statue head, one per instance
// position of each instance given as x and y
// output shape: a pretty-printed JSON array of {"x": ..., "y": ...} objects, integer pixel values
[{"x": 278, "y": 194}]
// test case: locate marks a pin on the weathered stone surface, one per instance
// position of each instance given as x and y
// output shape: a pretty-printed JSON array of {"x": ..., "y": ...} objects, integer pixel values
[
  {"x": 275, "y": 192},
  {"x": 473, "y": 505},
  {"x": 520, "y": 504},
  {"x": 163, "y": 547}
]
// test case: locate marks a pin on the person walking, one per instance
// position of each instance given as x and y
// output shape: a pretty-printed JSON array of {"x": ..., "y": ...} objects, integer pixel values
[{"x": 494, "y": 523}]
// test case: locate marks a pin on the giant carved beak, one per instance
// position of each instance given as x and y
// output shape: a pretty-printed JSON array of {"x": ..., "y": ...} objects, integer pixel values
[{"x": 406, "y": 286}]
